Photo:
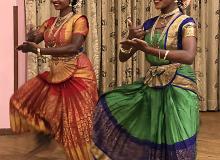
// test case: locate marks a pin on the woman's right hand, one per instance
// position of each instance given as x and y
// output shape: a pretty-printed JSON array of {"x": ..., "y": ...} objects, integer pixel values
[
  {"x": 30, "y": 36},
  {"x": 135, "y": 31}
]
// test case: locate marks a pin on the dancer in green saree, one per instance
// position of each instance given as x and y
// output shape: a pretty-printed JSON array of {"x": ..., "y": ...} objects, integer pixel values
[{"x": 156, "y": 118}]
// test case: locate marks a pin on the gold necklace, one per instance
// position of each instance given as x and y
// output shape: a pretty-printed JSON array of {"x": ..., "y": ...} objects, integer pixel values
[
  {"x": 67, "y": 17},
  {"x": 164, "y": 16},
  {"x": 61, "y": 19},
  {"x": 169, "y": 14}
]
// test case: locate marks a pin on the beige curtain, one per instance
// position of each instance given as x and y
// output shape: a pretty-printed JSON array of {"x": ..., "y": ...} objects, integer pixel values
[
  {"x": 108, "y": 26},
  {"x": 113, "y": 29},
  {"x": 207, "y": 66}
]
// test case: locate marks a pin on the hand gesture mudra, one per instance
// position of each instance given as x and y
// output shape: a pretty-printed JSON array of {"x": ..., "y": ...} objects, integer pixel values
[
  {"x": 30, "y": 36},
  {"x": 135, "y": 31},
  {"x": 135, "y": 37}
]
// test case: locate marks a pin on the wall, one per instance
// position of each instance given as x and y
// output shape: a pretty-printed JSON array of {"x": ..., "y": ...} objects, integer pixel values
[{"x": 7, "y": 56}]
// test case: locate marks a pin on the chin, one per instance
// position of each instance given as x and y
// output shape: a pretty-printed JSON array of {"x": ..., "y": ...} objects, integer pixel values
[
  {"x": 57, "y": 7},
  {"x": 159, "y": 7}
]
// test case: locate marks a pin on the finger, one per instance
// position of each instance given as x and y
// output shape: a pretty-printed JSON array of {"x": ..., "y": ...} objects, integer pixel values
[
  {"x": 25, "y": 43},
  {"x": 139, "y": 31},
  {"x": 130, "y": 24},
  {"x": 19, "y": 46},
  {"x": 140, "y": 41},
  {"x": 129, "y": 43},
  {"x": 28, "y": 43},
  {"x": 126, "y": 41},
  {"x": 140, "y": 35},
  {"x": 140, "y": 27}
]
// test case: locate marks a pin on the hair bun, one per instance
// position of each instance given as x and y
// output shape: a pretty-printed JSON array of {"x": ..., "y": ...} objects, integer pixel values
[{"x": 73, "y": 2}]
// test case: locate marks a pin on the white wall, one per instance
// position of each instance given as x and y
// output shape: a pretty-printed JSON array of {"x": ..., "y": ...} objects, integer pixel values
[{"x": 7, "y": 58}]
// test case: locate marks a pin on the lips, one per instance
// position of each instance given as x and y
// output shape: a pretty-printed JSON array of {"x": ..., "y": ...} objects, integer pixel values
[
  {"x": 157, "y": 1},
  {"x": 56, "y": 4}
]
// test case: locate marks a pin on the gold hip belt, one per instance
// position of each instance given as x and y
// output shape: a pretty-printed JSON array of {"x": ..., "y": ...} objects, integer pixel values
[{"x": 165, "y": 75}]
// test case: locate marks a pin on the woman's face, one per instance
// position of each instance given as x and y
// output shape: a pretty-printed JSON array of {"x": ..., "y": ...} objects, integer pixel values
[
  {"x": 161, "y": 4},
  {"x": 60, "y": 4}
]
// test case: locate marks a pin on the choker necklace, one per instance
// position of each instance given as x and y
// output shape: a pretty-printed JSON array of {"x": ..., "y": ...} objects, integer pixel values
[
  {"x": 164, "y": 16},
  {"x": 61, "y": 19},
  {"x": 64, "y": 17}
]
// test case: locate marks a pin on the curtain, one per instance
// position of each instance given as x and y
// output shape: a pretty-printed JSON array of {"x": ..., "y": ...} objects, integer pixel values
[
  {"x": 207, "y": 66},
  {"x": 108, "y": 27}
]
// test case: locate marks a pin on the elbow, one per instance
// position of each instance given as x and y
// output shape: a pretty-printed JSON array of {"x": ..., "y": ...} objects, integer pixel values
[
  {"x": 189, "y": 60},
  {"x": 72, "y": 50}
]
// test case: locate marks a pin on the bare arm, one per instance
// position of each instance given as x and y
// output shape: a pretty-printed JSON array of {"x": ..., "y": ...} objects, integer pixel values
[
  {"x": 134, "y": 32},
  {"x": 184, "y": 56}
]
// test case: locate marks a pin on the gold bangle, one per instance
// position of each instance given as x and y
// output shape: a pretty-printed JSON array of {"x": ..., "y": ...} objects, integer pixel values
[
  {"x": 126, "y": 51},
  {"x": 167, "y": 52},
  {"x": 159, "y": 54},
  {"x": 38, "y": 52}
]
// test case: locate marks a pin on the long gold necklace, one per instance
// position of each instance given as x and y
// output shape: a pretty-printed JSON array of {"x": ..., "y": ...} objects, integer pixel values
[
  {"x": 52, "y": 34},
  {"x": 59, "y": 22},
  {"x": 175, "y": 13}
]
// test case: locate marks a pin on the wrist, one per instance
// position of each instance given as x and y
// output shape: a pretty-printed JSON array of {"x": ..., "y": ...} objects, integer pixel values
[
  {"x": 38, "y": 51},
  {"x": 126, "y": 47},
  {"x": 148, "y": 49}
]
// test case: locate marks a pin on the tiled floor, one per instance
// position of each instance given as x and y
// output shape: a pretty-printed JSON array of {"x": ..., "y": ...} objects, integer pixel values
[{"x": 16, "y": 147}]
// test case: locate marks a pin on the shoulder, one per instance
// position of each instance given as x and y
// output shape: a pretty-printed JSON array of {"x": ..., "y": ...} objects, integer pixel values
[
  {"x": 76, "y": 17},
  {"x": 186, "y": 20},
  {"x": 149, "y": 23}
]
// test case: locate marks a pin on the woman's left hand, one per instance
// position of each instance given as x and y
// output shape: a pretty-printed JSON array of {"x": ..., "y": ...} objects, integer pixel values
[
  {"x": 28, "y": 47},
  {"x": 136, "y": 43}
]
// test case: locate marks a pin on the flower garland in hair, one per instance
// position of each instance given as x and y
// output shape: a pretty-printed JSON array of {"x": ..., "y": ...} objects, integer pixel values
[{"x": 76, "y": 5}]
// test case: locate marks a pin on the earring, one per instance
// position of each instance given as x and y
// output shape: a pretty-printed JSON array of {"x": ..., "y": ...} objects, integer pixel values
[{"x": 176, "y": 1}]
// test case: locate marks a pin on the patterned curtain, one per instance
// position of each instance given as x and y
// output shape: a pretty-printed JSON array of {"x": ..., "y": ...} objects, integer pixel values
[
  {"x": 114, "y": 14},
  {"x": 207, "y": 66},
  {"x": 108, "y": 27},
  {"x": 37, "y": 11}
]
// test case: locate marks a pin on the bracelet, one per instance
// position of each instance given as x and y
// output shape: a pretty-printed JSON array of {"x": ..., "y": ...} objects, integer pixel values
[
  {"x": 126, "y": 51},
  {"x": 38, "y": 52},
  {"x": 167, "y": 52}
]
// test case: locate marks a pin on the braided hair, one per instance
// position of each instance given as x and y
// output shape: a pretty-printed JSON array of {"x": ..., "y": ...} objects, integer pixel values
[
  {"x": 73, "y": 3},
  {"x": 180, "y": 5}
]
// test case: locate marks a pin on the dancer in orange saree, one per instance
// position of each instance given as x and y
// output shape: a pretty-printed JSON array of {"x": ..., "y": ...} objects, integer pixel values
[{"x": 60, "y": 102}]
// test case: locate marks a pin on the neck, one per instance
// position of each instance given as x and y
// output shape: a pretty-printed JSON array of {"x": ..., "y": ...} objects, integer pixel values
[
  {"x": 65, "y": 11},
  {"x": 169, "y": 8}
]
